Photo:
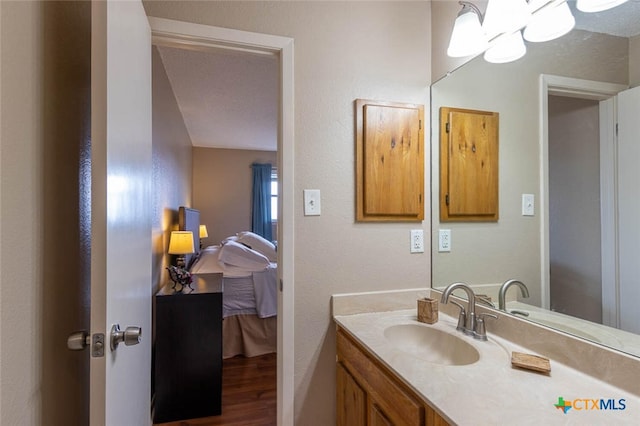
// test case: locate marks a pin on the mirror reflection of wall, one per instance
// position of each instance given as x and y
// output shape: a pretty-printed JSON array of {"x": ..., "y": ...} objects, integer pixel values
[
  {"x": 574, "y": 207},
  {"x": 490, "y": 253}
]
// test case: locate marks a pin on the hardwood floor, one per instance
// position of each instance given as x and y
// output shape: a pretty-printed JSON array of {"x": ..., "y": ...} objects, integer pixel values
[{"x": 248, "y": 394}]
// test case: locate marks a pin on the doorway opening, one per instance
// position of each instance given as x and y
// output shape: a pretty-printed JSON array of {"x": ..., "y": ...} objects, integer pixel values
[
  {"x": 204, "y": 38},
  {"x": 592, "y": 213}
]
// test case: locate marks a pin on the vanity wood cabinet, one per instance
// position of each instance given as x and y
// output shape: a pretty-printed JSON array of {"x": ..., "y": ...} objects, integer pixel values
[{"x": 369, "y": 394}]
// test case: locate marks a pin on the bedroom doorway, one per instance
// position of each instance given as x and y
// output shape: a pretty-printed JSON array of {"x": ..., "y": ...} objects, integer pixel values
[
  {"x": 204, "y": 38},
  {"x": 603, "y": 95}
]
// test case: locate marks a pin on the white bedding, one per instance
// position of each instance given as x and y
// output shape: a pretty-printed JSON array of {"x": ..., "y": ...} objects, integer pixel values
[{"x": 244, "y": 291}]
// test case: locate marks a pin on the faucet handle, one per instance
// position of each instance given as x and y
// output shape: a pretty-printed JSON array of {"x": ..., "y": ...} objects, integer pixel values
[
  {"x": 462, "y": 317},
  {"x": 480, "y": 332}
]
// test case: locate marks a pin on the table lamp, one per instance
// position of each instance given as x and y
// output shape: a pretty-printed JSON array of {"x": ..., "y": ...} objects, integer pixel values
[{"x": 181, "y": 243}]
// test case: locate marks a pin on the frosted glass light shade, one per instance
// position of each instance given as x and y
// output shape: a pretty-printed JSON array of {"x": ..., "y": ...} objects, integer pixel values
[
  {"x": 467, "y": 37},
  {"x": 181, "y": 242},
  {"x": 505, "y": 16},
  {"x": 508, "y": 48},
  {"x": 550, "y": 23},
  {"x": 590, "y": 6}
]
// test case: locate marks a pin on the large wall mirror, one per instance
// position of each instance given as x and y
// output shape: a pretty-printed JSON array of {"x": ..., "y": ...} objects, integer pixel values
[{"x": 558, "y": 106}]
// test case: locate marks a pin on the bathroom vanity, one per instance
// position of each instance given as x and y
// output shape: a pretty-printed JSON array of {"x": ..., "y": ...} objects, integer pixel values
[{"x": 393, "y": 370}]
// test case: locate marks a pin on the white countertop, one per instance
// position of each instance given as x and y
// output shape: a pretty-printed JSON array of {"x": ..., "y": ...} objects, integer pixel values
[
  {"x": 608, "y": 336},
  {"x": 491, "y": 391}
]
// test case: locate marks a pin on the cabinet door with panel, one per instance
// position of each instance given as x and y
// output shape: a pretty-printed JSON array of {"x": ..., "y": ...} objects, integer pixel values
[
  {"x": 468, "y": 165},
  {"x": 377, "y": 417},
  {"x": 389, "y": 161},
  {"x": 368, "y": 393},
  {"x": 352, "y": 400}
]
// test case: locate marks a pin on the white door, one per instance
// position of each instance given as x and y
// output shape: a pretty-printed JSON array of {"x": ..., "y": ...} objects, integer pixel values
[
  {"x": 629, "y": 207},
  {"x": 121, "y": 217}
]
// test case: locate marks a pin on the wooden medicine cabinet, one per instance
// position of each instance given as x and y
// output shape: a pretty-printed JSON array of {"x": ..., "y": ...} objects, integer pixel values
[
  {"x": 389, "y": 161},
  {"x": 468, "y": 165}
]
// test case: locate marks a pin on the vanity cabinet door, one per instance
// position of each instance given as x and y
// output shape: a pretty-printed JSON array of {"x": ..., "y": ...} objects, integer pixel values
[
  {"x": 377, "y": 417},
  {"x": 351, "y": 401},
  {"x": 365, "y": 385},
  {"x": 434, "y": 419}
]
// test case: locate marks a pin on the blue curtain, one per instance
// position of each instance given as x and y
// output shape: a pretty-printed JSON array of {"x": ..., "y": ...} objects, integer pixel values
[{"x": 261, "y": 204}]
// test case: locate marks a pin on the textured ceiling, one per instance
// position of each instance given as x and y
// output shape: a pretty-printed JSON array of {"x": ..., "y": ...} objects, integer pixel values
[
  {"x": 228, "y": 99},
  {"x": 622, "y": 21}
]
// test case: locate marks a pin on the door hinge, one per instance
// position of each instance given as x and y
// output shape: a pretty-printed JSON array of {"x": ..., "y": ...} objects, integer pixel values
[
  {"x": 419, "y": 124},
  {"x": 616, "y": 129},
  {"x": 446, "y": 199},
  {"x": 447, "y": 128},
  {"x": 280, "y": 285}
]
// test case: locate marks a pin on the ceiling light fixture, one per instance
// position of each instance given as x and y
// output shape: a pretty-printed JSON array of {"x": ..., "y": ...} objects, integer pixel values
[
  {"x": 498, "y": 33},
  {"x": 591, "y": 6},
  {"x": 507, "y": 48},
  {"x": 551, "y": 22},
  {"x": 505, "y": 16},
  {"x": 467, "y": 37}
]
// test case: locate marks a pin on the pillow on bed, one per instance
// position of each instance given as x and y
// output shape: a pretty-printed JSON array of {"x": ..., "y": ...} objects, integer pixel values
[
  {"x": 236, "y": 254},
  {"x": 231, "y": 238},
  {"x": 259, "y": 244}
]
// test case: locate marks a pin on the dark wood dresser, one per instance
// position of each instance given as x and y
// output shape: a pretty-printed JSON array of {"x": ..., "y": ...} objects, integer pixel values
[{"x": 187, "y": 368}]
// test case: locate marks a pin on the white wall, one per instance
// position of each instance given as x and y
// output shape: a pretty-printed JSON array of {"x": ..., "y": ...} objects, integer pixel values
[
  {"x": 172, "y": 164},
  {"x": 222, "y": 188},
  {"x": 495, "y": 252},
  {"x": 21, "y": 230},
  {"x": 574, "y": 208},
  {"x": 343, "y": 51}
]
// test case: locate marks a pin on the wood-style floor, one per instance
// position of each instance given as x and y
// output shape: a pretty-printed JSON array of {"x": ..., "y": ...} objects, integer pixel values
[{"x": 248, "y": 394}]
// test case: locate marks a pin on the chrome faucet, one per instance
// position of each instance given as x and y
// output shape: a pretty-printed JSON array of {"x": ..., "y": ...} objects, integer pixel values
[
  {"x": 503, "y": 291},
  {"x": 470, "y": 317}
]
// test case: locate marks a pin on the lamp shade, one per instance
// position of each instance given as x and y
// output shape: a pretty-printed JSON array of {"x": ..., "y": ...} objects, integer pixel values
[
  {"x": 550, "y": 23},
  {"x": 505, "y": 16},
  {"x": 203, "y": 231},
  {"x": 590, "y": 6},
  {"x": 181, "y": 242},
  {"x": 508, "y": 48},
  {"x": 467, "y": 37}
]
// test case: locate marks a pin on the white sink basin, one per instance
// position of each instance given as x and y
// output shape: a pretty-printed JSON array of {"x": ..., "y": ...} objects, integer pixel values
[{"x": 431, "y": 345}]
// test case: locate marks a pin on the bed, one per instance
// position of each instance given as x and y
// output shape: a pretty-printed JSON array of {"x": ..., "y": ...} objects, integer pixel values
[{"x": 248, "y": 264}]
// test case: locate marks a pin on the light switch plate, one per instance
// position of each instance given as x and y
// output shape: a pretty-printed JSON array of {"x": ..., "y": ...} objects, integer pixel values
[
  {"x": 312, "y": 202},
  {"x": 528, "y": 205}
]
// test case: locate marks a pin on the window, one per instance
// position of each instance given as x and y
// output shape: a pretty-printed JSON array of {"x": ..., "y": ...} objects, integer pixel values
[{"x": 274, "y": 194}]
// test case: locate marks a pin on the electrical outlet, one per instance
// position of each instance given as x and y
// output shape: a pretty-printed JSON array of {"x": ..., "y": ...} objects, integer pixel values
[
  {"x": 417, "y": 241},
  {"x": 444, "y": 240}
]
